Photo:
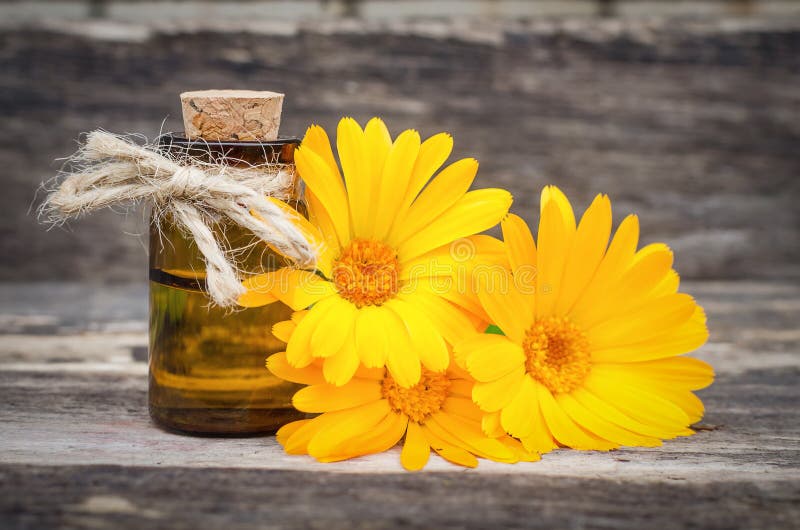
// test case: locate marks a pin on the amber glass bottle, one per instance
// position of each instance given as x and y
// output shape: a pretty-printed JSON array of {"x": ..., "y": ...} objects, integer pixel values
[{"x": 207, "y": 373}]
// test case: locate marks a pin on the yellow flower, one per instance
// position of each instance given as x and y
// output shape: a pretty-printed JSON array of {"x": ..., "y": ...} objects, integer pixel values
[
  {"x": 372, "y": 413},
  {"x": 385, "y": 246},
  {"x": 590, "y": 358}
]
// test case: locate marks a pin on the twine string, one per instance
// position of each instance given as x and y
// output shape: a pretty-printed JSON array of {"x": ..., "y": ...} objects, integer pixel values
[{"x": 109, "y": 170}]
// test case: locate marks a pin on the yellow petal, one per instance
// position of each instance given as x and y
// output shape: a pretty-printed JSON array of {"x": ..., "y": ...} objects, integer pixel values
[
  {"x": 540, "y": 440},
  {"x": 475, "y": 212},
  {"x": 287, "y": 430},
  {"x": 327, "y": 397},
  {"x": 298, "y": 350},
  {"x": 372, "y": 342},
  {"x": 279, "y": 366},
  {"x": 611, "y": 413},
  {"x": 256, "y": 298},
  {"x": 639, "y": 403},
  {"x": 517, "y": 417},
  {"x": 394, "y": 181},
  {"x": 297, "y": 442},
  {"x": 382, "y": 437},
  {"x": 675, "y": 341},
  {"x": 451, "y": 322},
  {"x": 649, "y": 267},
  {"x": 505, "y": 305},
  {"x": 333, "y": 330},
  {"x": 455, "y": 260},
  {"x": 493, "y": 396},
  {"x": 340, "y": 367},
  {"x": 553, "y": 194},
  {"x": 352, "y": 424},
  {"x": 441, "y": 194},
  {"x": 682, "y": 372},
  {"x": 615, "y": 262},
  {"x": 309, "y": 231},
  {"x": 283, "y": 330},
  {"x": 648, "y": 320},
  {"x": 326, "y": 186},
  {"x": 563, "y": 428},
  {"x": 416, "y": 450},
  {"x": 461, "y": 387},
  {"x": 432, "y": 154},
  {"x": 669, "y": 285},
  {"x": 468, "y": 435},
  {"x": 296, "y": 288},
  {"x": 404, "y": 366},
  {"x": 490, "y": 424},
  {"x": 586, "y": 252},
  {"x": 378, "y": 141},
  {"x": 448, "y": 451},
  {"x": 554, "y": 243},
  {"x": 319, "y": 217},
  {"x": 490, "y": 357},
  {"x": 350, "y": 143},
  {"x": 519, "y": 243},
  {"x": 462, "y": 407},
  {"x": 317, "y": 140},
  {"x": 425, "y": 339},
  {"x": 402, "y": 361},
  {"x": 520, "y": 452},
  {"x": 601, "y": 427}
]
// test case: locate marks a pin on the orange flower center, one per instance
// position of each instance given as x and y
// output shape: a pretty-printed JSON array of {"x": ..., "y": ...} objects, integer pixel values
[
  {"x": 366, "y": 272},
  {"x": 557, "y": 354},
  {"x": 419, "y": 401}
]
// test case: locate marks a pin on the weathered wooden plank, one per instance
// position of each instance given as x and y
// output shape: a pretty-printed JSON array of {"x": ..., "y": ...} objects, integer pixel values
[
  {"x": 132, "y": 498},
  {"x": 77, "y": 447},
  {"x": 694, "y": 125}
]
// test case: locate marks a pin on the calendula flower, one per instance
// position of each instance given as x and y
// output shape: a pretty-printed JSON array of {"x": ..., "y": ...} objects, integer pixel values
[
  {"x": 594, "y": 333},
  {"x": 384, "y": 235},
  {"x": 372, "y": 413}
]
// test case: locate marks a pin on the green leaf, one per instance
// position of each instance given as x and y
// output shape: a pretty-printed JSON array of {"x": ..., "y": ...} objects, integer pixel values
[{"x": 494, "y": 330}]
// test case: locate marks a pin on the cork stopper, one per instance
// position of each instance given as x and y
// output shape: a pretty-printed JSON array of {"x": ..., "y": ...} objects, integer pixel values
[{"x": 232, "y": 115}]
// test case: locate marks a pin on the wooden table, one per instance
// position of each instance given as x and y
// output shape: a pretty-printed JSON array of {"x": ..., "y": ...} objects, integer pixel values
[{"x": 77, "y": 448}]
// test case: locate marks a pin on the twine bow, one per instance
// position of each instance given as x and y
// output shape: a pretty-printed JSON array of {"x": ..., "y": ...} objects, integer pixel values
[{"x": 109, "y": 170}]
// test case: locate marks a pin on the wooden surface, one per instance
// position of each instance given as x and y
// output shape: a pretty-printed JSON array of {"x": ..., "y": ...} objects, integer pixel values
[
  {"x": 694, "y": 125},
  {"x": 77, "y": 448}
]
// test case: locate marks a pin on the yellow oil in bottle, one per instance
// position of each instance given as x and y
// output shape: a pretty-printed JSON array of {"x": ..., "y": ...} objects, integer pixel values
[{"x": 207, "y": 372}]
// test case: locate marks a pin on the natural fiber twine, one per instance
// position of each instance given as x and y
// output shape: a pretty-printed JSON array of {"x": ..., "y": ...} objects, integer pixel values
[{"x": 109, "y": 170}]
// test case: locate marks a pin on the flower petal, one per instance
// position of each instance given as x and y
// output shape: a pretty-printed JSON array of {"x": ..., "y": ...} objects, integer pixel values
[
  {"x": 279, "y": 366},
  {"x": 372, "y": 341},
  {"x": 493, "y": 396},
  {"x": 563, "y": 428},
  {"x": 340, "y": 367},
  {"x": 394, "y": 181},
  {"x": 349, "y": 424},
  {"x": 333, "y": 330},
  {"x": 586, "y": 252},
  {"x": 326, "y": 186},
  {"x": 425, "y": 339},
  {"x": 441, "y": 194},
  {"x": 475, "y": 212},
  {"x": 491, "y": 357},
  {"x": 416, "y": 449},
  {"x": 326, "y": 397},
  {"x": 296, "y": 288}
]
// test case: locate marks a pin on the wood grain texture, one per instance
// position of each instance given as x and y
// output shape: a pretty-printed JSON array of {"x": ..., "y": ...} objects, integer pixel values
[
  {"x": 77, "y": 448},
  {"x": 694, "y": 125}
]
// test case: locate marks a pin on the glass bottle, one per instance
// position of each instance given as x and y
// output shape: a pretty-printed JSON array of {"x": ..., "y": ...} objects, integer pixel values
[{"x": 207, "y": 373}]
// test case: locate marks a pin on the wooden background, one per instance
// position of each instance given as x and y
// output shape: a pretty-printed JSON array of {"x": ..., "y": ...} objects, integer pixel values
[{"x": 693, "y": 125}]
